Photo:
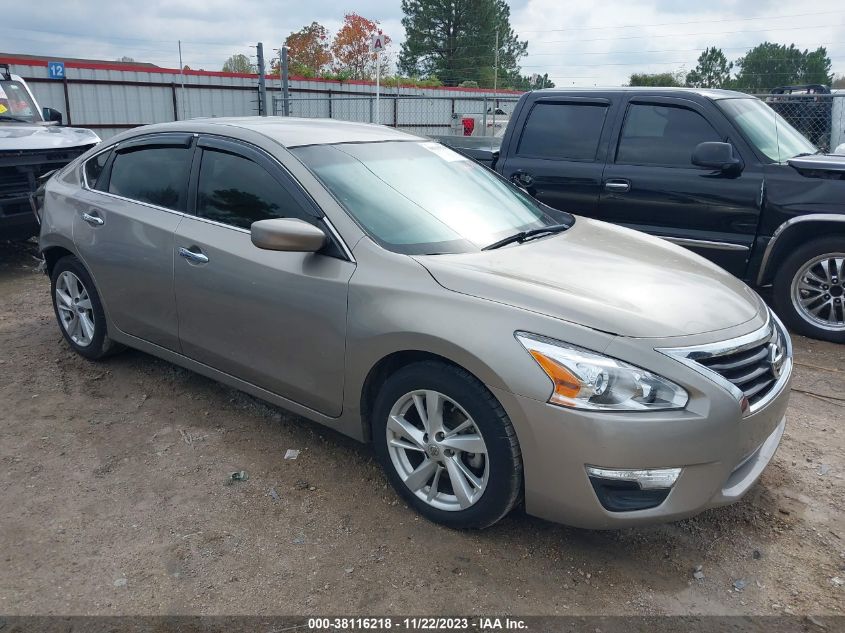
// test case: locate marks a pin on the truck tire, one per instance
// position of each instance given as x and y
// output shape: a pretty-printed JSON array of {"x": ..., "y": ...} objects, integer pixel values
[{"x": 809, "y": 289}]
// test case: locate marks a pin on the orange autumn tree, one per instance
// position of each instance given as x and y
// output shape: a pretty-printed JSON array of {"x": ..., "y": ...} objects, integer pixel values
[
  {"x": 308, "y": 50},
  {"x": 351, "y": 48}
]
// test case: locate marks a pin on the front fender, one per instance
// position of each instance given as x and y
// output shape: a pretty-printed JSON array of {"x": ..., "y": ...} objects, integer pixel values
[
  {"x": 792, "y": 233},
  {"x": 407, "y": 310}
]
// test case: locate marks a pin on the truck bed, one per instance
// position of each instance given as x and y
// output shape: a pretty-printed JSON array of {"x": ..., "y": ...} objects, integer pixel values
[{"x": 482, "y": 149}]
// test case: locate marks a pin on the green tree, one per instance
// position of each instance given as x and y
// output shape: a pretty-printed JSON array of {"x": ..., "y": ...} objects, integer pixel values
[
  {"x": 663, "y": 80},
  {"x": 817, "y": 67},
  {"x": 769, "y": 65},
  {"x": 713, "y": 70},
  {"x": 239, "y": 63},
  {"x": 456, "y": 40},
  {"x": 515, "y": 81}
]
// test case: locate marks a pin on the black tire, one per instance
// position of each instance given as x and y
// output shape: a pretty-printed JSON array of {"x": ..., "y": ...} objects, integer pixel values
[
  {"x": 504, "y": 485},
  {"x": 100, "y": 344},
  {"x": 782, "y": 292}
]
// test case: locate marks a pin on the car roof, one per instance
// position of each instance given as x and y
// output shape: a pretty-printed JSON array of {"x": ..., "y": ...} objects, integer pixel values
[
  {"x": 709, "y": 93},
  {"x": 290, "y": 131}
]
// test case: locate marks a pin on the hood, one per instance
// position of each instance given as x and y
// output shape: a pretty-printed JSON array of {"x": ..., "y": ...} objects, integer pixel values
[
  {"x": 36, "y": 136},
  {"x": 818, "y": 162},
  {"x": 604, "y": 277}
]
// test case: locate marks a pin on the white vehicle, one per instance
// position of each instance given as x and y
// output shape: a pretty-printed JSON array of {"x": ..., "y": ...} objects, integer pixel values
[
  {"x": 33, "y": 143},
  {"x": 488, "y": 125}
]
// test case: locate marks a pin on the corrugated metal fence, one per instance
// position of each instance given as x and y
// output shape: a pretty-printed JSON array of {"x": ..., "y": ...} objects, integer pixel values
[{"x": 110, "y": 98}]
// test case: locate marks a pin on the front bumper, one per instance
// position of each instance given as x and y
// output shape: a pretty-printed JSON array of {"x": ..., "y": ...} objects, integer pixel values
[{"x": 721, "y": 453}]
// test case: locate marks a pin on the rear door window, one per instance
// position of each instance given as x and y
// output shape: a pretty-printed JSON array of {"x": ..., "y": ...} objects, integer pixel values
[
  {"x": 563, "y": 131},
  {"x": 155, "y": 175},
  {"x": 662, "y": 135}
]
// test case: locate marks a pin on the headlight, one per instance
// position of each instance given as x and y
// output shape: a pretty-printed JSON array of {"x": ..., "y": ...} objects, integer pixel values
[{"x": 586, "y": 380}]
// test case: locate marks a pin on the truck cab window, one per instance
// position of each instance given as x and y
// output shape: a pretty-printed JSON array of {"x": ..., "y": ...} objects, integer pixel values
[
  {"x": 662, "y": 135},
  {"x": 563, "y": 131}
]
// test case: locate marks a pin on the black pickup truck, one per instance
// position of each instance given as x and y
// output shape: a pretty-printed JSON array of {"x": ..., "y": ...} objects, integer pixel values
[{"x": 716, "y": 171}]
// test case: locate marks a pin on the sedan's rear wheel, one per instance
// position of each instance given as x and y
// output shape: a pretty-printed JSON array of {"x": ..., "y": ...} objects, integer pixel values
[
  {"x": 76, "y": 314},
  {"x": 79, "y": 310},
  {"x": 447, "y": 445}
]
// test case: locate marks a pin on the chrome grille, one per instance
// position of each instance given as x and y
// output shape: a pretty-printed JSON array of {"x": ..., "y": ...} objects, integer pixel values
[
  {"x": 750, "y": 370},
  {"x": 753, "y": 367}
]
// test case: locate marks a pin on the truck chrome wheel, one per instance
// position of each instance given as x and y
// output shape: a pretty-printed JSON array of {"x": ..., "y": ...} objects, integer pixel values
[
  {"x": 818, "y": 292},
  {"x": 76, "y": 313},
  {"x": 437, "y": 450}
]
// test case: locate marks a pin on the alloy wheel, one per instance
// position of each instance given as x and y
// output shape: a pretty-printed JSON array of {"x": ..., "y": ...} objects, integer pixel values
[
  {"x": 437, "y": 450},
  {"x": 76, "y": 313},
  {"x": 818, "y": 292}
]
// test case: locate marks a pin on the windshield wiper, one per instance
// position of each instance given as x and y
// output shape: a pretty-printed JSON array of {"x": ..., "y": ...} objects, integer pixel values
[
  {"x": 9, "y": 117},
  {"x": 523, "y": 236}
]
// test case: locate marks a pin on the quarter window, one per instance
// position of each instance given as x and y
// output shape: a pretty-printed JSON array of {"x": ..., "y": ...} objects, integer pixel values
[
  {"x": 157, "y": 175},
  {"x": 94, "y": 168},
  {"x": 235, "y": 190},
  {"x": 662, "y": 135},
  {"x": 562, "y": 131}
]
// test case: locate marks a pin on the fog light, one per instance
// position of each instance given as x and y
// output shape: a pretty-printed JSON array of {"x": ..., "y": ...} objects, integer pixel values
[
  {"x": 652, "y": 479},
  {"x": 627, "y": 490}
]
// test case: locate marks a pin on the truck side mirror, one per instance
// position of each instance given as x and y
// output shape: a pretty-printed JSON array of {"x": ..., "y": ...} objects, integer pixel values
[
  {"x": 716, "y": 156},
  {"x": 50, "y": 114}
]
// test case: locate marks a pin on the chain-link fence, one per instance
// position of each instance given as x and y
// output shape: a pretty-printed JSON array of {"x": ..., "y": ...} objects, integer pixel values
[
  {"x": 423, "y": 115},
  {"x": 819, "y": 117}
]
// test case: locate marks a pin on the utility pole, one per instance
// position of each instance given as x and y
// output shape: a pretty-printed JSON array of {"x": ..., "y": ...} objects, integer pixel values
[
  {"x": 262, "y": 84},
  {"x": 495, "y": 82},
  {"x": 182, "y": 78},
  {"x": 283, "y": 73}
]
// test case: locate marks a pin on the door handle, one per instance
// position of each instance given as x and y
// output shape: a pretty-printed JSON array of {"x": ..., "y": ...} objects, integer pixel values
[
  {"x": 617, "y": 186},
  {"x": 93, "y": 220},
  {"x": 193, "y": 256},
  {"x": 522, "y": 179}
]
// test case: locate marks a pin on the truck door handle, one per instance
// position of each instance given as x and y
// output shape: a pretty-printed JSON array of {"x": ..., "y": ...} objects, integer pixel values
[
  {"x": 193, "y": 256},
  {"x": 617, "y": 186},
  {"x": 93, "y": 220},
  {"x": 522, "y": 179}
]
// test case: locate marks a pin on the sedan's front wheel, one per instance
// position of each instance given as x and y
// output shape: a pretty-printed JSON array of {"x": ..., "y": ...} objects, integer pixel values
[{"x": 447, "y": 445}]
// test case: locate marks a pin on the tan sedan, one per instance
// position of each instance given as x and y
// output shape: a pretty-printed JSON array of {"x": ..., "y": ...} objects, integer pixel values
[{"x": 492, "y": 349}]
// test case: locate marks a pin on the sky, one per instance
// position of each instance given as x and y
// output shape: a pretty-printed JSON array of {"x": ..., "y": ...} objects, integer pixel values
[{"x": 574, "y": 42}]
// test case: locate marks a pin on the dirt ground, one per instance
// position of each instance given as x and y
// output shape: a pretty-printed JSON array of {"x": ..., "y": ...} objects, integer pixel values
[{"x": 114, "y": 501}]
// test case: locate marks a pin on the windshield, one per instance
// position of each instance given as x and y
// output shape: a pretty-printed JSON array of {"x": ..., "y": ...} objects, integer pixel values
[
  {"x": 423, "y": 198},
  {"x": 15, "y": 103},
  {"x": 766, "y": 129}
]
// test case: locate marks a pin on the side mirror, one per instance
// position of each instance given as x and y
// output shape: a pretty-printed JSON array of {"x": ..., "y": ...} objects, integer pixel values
[
  {"x": 716, "y": 156},
  {"x": 50, "y": 114},
  {"x": 287, "y": 234}
]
